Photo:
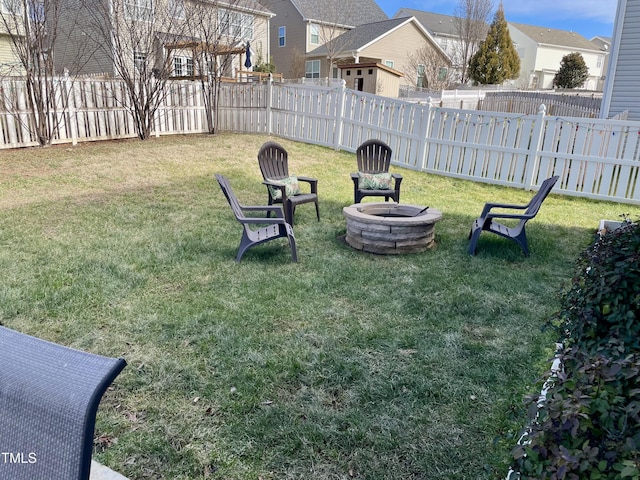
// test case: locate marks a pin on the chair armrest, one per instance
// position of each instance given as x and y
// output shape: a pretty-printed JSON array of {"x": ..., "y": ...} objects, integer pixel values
[
  {"x": 355, "y": 178},
  {"x": 508, "y": 215},
  {"x": 488, "y": 206},
  {"x": 313, "y": 182},
  {"x": 397, "y": 179},
  {"x": 277, "y": 209},
  {"x": 282, "y": 188}
]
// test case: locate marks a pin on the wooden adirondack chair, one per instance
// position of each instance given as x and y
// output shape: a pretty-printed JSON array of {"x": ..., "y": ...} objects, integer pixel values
[
  {"x": 374, "y": 158},
  {"x": 49, "y": 396},
  {"x": 276, "y": 227},
  {"x": 486, "y": 221},
  {"x": 274, "y": 165}
]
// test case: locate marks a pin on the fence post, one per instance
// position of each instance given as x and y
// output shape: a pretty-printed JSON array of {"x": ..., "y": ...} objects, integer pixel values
[
  {"x": 338, "y": 135},
  {"x": 269, "y": 93},
  {"x": 534, "y": 149},
  {"x": 71, "y": 107},
  {"x": 424, "y": 143}
]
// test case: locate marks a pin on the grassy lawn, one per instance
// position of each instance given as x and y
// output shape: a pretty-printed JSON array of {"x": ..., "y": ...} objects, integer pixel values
[{"x": 345, "y": 365}]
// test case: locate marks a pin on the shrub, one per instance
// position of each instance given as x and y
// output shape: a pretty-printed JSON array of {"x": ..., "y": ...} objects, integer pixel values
[
  {"x": 600, "y": 310},
  {"x": 588, "y": 424}
]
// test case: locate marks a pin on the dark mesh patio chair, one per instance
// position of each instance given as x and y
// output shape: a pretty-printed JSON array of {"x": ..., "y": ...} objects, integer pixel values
[
  {"x": 487, "y": 220},
  {"x": 274, "y": 165},
  {"x": 276, "y": 227},
  {"x": 49, "y": 396},
  {"x": 374, "y": 159}
]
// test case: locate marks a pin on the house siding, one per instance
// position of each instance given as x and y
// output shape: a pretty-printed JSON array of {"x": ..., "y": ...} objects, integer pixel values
[
  {"x": 296, "y": 32},
  {"x": 625, "y": 89},
  {"x": 9, "y": 64}
]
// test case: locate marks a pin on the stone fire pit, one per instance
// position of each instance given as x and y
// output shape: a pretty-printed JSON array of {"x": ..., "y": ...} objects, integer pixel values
[{"x": 390, "y": 228}]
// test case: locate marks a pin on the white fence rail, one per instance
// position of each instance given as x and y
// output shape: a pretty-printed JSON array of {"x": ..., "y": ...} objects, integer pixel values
[{"x": 595, "y": 158}]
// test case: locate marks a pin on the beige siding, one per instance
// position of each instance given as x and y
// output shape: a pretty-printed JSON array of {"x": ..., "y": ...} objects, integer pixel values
[{"x": 9, "y": 64}]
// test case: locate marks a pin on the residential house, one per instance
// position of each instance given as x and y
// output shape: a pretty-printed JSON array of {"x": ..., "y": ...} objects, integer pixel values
[
  {"x": 9, "y": 63},
  {"x": 379, "y": 57},
  {"x": 622, "y": 84},
  {"x": 165, "y": 36},
  {"x": 604, "y": 45},
  {"x": 301, "y": 26},
  {"x": 442, "y": 28},
  {"x": 541, "y": 51}
]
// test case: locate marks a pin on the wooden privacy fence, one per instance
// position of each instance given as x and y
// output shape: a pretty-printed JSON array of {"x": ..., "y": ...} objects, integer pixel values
[
  {"x": 594, "y": 158},
  {"x": 529, "y": 102}
]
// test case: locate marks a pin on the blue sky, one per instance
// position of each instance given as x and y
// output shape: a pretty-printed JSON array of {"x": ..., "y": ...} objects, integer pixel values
[{"x": 589, "y": 18}]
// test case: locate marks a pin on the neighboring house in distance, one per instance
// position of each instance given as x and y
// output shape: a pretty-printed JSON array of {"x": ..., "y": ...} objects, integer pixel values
[
  {"x": 604, "y": 45},
  {"x": 441, "y": 27},
  {"x": 9, "y": 63},
  {"x": 176, "y": 39},
  {"x": 301, "y": 26},
  {"x": 541, "y": 51},
  {"x": 622, "y": 84},
  {"x": 377, "y": 57}
]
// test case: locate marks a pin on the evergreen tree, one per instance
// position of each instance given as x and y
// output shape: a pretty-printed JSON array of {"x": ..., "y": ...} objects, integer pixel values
[
  {"x": 573, "y": 72},
  {"x": 497, "y": 59}
]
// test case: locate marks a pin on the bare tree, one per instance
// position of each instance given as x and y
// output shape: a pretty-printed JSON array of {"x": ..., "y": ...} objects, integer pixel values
[
  {"x": 471, "y": 22},
  {"x": 297, "y": 69},
  {"x": 224, "y": 31},
  {"x": 330, "y": 32},
  {"x": 430, "y": 68},
  {"x": 133, "y": 36},
  {"x": 32, "y": 27}
]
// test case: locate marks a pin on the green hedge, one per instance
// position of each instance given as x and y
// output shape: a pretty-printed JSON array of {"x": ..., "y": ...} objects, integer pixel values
[{"x": 588, "y": 427}]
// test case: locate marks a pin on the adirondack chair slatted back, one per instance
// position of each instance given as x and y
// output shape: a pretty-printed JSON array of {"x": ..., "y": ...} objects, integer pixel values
[
  {"x": 536, "y": 201},
  {"x": 49, "y": 396},
  {"x": 230, "y": 196},
  {"x": 274, "y": 161},
  {"x": 374, "y": 156}
]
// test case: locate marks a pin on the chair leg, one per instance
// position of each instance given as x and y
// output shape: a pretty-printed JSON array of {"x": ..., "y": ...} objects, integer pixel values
[
  {"x": 474, "y": 235},
  {"x": 289, "y": 211},
  {"x": 317, "y": 210},
  {"x": 292, "y": 244}
]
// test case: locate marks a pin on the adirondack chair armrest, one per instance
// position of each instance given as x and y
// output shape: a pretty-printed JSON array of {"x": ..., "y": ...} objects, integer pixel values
[
  {"x": 277, "y": 209},
  {"x": 515, "y": 216},
  {"x": 313, "y": 182},
  {"x": 489, "y": 206},
  {"x": 397, "y": 178}
]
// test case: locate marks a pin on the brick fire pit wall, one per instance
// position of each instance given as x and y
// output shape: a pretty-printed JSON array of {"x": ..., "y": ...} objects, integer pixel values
[{"x": 390, "y": 228}]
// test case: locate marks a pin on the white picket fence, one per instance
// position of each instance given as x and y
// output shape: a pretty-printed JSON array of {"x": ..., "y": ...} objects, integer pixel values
[{"x": 594, "y": 158}]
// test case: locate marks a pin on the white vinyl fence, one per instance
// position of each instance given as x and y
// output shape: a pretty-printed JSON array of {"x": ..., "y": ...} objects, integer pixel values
[{"x": 594, "y": 158}]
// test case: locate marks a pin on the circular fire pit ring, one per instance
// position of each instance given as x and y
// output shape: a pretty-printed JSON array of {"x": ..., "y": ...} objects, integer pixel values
[{"x": 390, "y": 228}]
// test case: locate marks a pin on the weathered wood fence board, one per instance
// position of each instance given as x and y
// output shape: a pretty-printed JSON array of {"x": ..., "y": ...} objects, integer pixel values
[{"x": 595, "y": 158}]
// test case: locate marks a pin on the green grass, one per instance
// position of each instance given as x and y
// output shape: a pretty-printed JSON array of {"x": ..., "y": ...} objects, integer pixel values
[{"x": 345, "y": 365}]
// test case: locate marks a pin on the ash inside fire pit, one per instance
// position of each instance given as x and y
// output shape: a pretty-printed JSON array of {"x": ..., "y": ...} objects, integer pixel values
[{"x": 390, "y": 228}]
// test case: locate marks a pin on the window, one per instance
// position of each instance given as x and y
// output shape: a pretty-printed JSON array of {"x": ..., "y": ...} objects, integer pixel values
[
  {"x": 421, "y": 82},
  {"x": 182, "y": 67},
  {"x": 13, "y": 7},
  {"x": 442, "y": 74},
  {"x": 599, "y": 61},
  {"x": 36, "y": 10},
  {"x": 282, "y": 36},
  {"x": 176, "y": 8},
  {"x": 388, "y": 63},
  {"x": 444, "y": 43},
  {"x": 315, "y": 34},
  {"x": 139, "y": 10},
  {"x": 140, "y": 61},
  {"x": 312, "y": 69},
  {"x": 237, "y": 25}
]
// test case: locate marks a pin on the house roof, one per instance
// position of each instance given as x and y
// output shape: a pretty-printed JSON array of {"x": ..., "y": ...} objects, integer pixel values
[
  {"x": 363, "y": 35},
  {"x": 435, "y": 23},
  {"x": 247, "y": 5},
  {"x": 552, "y": 36},
  {"x": 344, "y": 12}
]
